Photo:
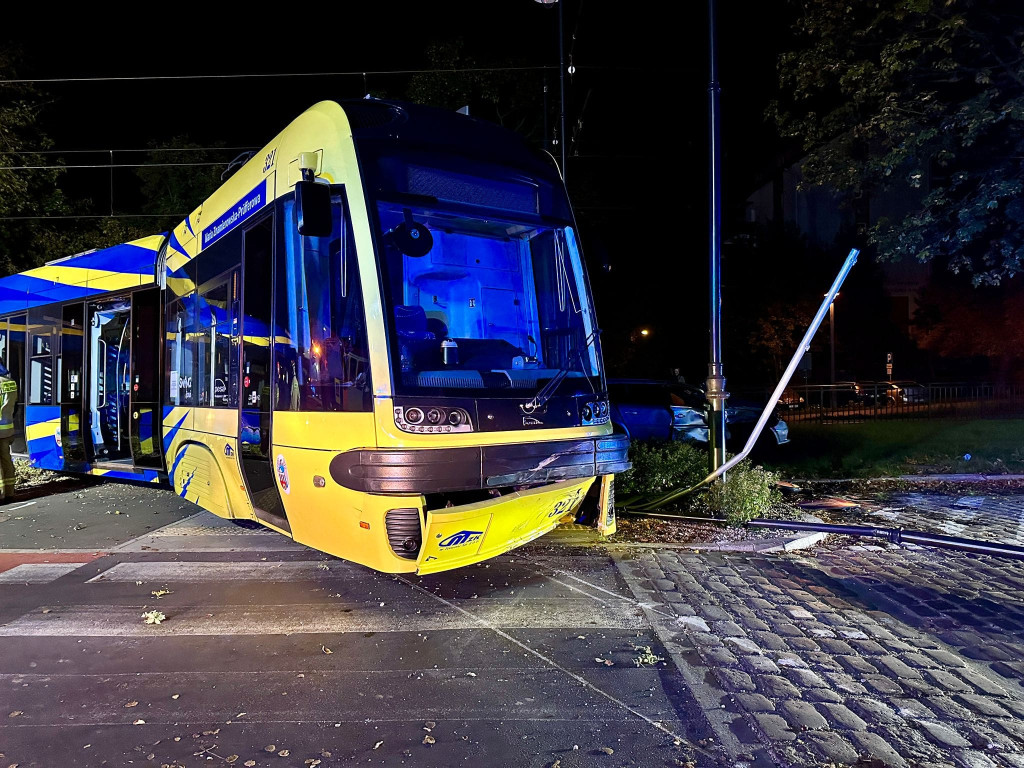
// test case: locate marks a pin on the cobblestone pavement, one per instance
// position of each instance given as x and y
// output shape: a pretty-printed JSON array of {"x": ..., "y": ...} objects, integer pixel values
[
  {"x": 993, "y": 518},
  {"x": 849, "y": 654}
]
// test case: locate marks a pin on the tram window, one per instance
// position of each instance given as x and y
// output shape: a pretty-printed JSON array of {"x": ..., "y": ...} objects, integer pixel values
[
  {"x": 217, "y": 345},
  {"x": 319, "y": 307},
  {"x": 41, "y": 344},
  {"x": 223, "y": 256},
  {"x": 179, "y": 352}
]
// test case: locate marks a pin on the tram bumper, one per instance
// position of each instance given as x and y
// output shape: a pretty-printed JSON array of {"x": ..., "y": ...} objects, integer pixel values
[{"x": 458, "y": 536}]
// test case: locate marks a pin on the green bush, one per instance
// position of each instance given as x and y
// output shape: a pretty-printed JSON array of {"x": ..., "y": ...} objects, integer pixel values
[
  {"x": 660, "y": 466},
  {"x": 747, "y": 492}
]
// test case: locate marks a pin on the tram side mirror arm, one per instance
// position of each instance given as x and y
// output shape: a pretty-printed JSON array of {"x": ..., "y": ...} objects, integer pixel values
[{"x": 313, "y": 209}]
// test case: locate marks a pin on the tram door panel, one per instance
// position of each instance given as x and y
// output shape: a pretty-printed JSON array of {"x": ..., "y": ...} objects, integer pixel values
[
  {"x": 69, "y": 366},
  {"x": 109, "y": 391},
  {"x": 255, "y": 382},
  {"x": 146, "y": 331}
]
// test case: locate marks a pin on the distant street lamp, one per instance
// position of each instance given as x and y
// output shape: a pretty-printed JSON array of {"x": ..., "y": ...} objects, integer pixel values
[
  {"x": 832, "y": 335},
  {"x": 561, "y": 81},
  {"x": 832, "y": 344}
]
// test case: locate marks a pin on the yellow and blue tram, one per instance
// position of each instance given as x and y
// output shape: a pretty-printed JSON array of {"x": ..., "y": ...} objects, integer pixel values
[{"x": 376, "y": 337}]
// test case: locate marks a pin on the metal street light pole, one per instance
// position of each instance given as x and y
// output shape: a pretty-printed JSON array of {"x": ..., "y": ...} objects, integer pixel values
[
  {"x": 715, "y": 389},
  {"x": 832, "y": 337},
  {"x": 561, "y": 81},
  {"x": 562, "y": 139},
  {"x": 832, "y": 346}
]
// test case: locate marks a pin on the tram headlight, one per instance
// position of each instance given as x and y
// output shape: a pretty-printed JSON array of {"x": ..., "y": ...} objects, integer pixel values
[
  {"x": 594, "y": 413},
  {"x": 434, "y": 419}
]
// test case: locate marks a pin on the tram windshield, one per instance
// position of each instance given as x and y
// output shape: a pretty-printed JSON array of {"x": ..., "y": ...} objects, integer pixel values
[{"x": 486, "y": 301}]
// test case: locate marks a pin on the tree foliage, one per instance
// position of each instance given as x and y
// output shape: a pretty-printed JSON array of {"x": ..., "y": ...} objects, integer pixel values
[
  {"x": 958, "y": 324},
  {"x": 177, "y": 177},
  {"x": 502, "y": 94},
  {"x": 28, "y": 183},
  {"x": 920, "y": 102}
]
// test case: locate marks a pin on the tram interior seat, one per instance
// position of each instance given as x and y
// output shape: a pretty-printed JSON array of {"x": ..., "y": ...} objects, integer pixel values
[
  {"x": 421, "y": 344},
  {"x": 411, "y": 322}
]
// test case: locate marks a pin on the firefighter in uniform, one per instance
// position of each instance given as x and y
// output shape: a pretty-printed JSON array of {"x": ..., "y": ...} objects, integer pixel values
[{"x": 8, "y": 399}]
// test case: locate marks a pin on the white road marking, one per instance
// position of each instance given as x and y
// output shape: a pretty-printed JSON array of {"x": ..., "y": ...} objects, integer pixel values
[
  {"x": 205, "y": 532},
  {"x": 37, "y": 573},
  {"x": 195, "y": 573},
  {"x": 121, "y": 621}
]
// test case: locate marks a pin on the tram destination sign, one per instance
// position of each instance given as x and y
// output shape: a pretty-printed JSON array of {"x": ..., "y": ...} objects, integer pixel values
[{"x": 235, "y": 215}]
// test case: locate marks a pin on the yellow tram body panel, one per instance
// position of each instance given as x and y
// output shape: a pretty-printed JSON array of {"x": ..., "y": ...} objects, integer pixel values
[{"x": 460, "y": 536}]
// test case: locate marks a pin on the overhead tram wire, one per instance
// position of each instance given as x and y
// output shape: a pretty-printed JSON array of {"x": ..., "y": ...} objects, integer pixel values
[
  {"x": 106, "y": 166},
  {"x": 105, "y": 150},
  {"x": 361, "y": 73}
]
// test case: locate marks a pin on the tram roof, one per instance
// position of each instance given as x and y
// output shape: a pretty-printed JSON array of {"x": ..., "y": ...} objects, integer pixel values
[{"x": 119, "y": 267}]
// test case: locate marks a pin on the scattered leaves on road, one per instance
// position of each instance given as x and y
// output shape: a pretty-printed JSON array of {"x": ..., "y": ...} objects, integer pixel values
[
  {"x": 646, "y": 657},
  {"x": 16, "y": 713},
  {"x": 428, "y": 739},
  {"x": 377, "y": 745},
  {"x": 139, "y": 722},
  {"x": 325, "y": 649},
  {"x": 158, "y": 593},
  {"x": 131, "y": 704},
  {"x": 153, "y": 617}
]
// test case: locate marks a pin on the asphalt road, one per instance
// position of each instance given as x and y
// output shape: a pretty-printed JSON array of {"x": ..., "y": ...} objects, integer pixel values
[
  {"x": 274, "y": 654},
  {"x": 562, "y": 653}
]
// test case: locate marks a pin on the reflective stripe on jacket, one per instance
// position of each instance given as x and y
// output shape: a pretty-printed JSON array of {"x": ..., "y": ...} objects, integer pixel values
[{"x": 8, "y": 399}]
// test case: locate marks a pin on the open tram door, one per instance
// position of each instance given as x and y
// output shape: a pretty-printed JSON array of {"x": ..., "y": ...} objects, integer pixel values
[
  {"x": 110, "y": 416},
  {"x": 256, "y": 381}
]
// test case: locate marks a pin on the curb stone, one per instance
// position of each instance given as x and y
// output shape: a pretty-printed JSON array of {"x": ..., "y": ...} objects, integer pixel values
[{"x": 581, "y": 535}]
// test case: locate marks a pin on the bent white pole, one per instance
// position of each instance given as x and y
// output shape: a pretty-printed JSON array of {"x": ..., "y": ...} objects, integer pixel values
[
  {"x": 805, "y": 344},
  {"x": 659, "y": 501}
]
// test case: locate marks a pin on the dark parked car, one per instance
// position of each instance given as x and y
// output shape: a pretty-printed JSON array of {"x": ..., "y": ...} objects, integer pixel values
[
  {"x": 791, "y": 399},
  {"x": 650, "y": 409},
  {"x": 911, "y": 391},
  {"x": 884, "y": 393},
  {"x": 845, "y": 393}
]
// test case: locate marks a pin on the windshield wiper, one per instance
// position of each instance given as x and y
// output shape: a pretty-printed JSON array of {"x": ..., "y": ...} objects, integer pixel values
[{"x": 546, "y": 392}]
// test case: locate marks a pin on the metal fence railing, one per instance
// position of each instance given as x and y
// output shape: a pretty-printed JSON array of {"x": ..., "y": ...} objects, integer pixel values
[{"x": 857, "y": 401}]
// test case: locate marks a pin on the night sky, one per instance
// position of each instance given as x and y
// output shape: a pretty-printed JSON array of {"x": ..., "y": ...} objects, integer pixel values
[{"x": 639, "y": 174}]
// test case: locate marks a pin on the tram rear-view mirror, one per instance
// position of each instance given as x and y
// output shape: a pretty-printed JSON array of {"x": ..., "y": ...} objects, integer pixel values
[{"x": 313, "y": 206}]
